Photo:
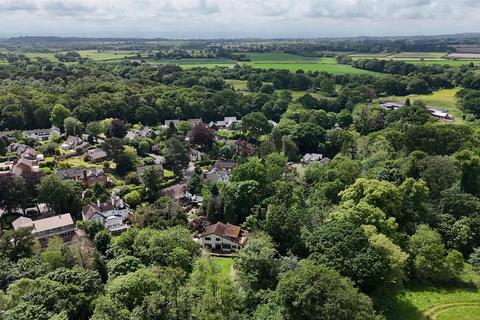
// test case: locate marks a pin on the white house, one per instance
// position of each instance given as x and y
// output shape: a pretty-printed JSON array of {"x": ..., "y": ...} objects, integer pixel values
[
  {"x": 112, "y": 214},
  {"x": 223, "y": 237}
]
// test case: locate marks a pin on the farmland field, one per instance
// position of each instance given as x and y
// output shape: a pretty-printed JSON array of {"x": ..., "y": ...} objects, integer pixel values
[
  {"x": 92, "y": 54},
  {"x": 424, "y": 58},
  {"x": 283, "y": 61},
  {"x": 441, "y": 99}
]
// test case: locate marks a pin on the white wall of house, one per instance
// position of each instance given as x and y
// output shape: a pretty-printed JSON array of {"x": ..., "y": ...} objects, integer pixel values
[{"x": 214, "y": 241}]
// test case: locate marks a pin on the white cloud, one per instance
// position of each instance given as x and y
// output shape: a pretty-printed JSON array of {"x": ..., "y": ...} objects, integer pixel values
[{"x": 191, "y": 18}]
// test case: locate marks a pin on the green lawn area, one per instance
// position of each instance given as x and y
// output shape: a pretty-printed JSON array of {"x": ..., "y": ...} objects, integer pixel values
[
  {"x": 168, "y": 173},
  {"x": 225, "y": 265},
  {"x": 441, "y": 99},
  {"x": 447, "y": 303},
  {"x": 78, "y": 162},
  {"x": 239, "y": 85}
]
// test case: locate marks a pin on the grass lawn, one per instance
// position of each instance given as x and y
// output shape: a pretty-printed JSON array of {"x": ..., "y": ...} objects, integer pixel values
[
  {"x": 439, "y": 303},
  {"x": 239, "y": 85},
  {"x": 168, "y": 173},
  {"x": 441, "y": 99},
  {"x": 78, "y": 162},
  {"x": 225, "y": 265}
]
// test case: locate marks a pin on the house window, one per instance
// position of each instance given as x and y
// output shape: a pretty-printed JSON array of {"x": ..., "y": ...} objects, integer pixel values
[
  {"x": 208, "y": 238},
  {"x": 217, "y": 239},
  {"x": 234, "y": 247}
]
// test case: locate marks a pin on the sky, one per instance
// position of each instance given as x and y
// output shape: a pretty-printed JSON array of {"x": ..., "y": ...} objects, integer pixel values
[{"x": 237, "y": 18}]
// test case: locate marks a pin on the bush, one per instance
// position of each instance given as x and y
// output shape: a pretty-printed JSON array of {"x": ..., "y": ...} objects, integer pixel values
[{"x": 133, "y": 198}]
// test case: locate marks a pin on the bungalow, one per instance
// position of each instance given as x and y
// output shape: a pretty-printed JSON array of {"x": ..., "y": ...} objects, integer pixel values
[
  {"x": 141, "y": 170},
  {"x": 223, "y": 237},
  {"x": 441, "y": 114},
  {"x": 42, "y": 134},
  {"x": 111, "y": 214},
  {"x": 43, "y": 229},
  {"x": 392, "y": 105},
  {"x": 176, "y": 192},
  {"x": 88, "y": 176},
  {"x": 96, "y": 155}
]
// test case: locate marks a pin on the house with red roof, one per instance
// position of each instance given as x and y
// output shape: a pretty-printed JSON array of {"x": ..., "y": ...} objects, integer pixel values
[{"x": 223, "y": 237}]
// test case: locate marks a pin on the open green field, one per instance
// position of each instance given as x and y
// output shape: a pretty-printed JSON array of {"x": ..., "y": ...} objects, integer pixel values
[
  {"x": 449, "y": 303},
  {"x": 434, "y": 303},
  {"x": 442, "y": 99},
  {"x": 91, "y": 54},
  {"x": 293, "y": 63},
  {"x": 279, "y": 61},
  {"x": 423, "y": 58},
  {"x": 225, "y": 265}
]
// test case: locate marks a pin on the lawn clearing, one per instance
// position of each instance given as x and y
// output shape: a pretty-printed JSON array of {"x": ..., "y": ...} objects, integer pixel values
[
  {"x": 451, "y": 303},
  {"x": 78, "y": 162},
  {"x": 168, "y": 173},
  {"x": 225, "y": 265},
  {"x": 413, "y": 304}
]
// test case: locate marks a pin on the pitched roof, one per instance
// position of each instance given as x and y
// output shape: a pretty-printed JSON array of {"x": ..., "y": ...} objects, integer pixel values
[
  {"x": 141, "y": 169},
  {"x": 230, "y": 231},
  {"x": 77, "y": 173},
  {"x": 96, "y": 153},
  {"x": 224, "y": 165},
  {"x": 22, "y": 222},
  {"x": 54, "y": 222},
  {"x": 57, "y": 221},
  {"x": 115, "y": 202},
  {"x": 175, "y": 192}
]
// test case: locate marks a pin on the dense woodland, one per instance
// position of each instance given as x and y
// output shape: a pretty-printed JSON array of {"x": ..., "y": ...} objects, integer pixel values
[{"x": 397, "y": 205}]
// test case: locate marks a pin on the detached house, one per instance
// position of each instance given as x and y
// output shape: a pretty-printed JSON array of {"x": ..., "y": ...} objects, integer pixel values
[
  {"x": 74, "y": 142},
  {"x": 27, "y": 161},
  {"x": 89, "y": 176},
  {"x": 177, "y": 192},
  {"x": 223, "y": 237},
  {"x": 96, "y": 155},
  {"x": 221, "y": 171},
  {"x": 43, "y": 229},
  {"x": 112, "y": 214}
]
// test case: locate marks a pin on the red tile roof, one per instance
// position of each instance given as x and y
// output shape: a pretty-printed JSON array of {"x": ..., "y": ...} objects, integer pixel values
[{"x": 230, "y": 231}]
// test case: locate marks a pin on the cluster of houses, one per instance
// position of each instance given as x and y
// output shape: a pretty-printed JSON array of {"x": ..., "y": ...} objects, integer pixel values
[
  {"x": 27, "y": 161},
  {"x": 436, "y": 113}
]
